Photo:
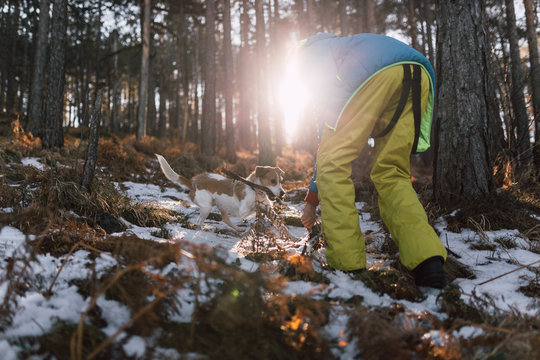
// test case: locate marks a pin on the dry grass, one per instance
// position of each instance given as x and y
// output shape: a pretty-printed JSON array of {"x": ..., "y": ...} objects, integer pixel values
[
  {"x": 492, "y": 213},
  {"x": 236, "y": 314}
]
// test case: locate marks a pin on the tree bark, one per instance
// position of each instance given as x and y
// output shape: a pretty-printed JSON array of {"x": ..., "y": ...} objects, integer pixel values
[
  {"x": 412, "y": 24},
  {"x": 11, "y": 93},
  {"x": 116, "y": 104},
  {"x": 164, "y": 72},
  {"x": 245, "y": 96},
  {"x": 278, "y": 65},
  {"x": 146, "y": 8},
  {"x": 532, "y": 26},
  {"x": 4, "y": 56},
  {"x": 93, "y": 142},
  {"x": 266, "y": 157},
  {"x": 428, "y": 14},
  {"x": 524, "y": 153},
  {"x": 463, "y": 169},
  {"x": 229, "y": 72},
  {"x": 208, "y": 138},
  {"x": 151, "y": 119},
  {"x": 53, "y": 135},
  {"x": 40, "y": 63},
  {"x": 369, "y": 16},
  {"x": 343, "y": 18}
]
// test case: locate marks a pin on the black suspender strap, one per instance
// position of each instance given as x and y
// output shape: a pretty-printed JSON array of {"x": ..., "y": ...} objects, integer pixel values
[
  {"x": 409, "y": 81},
  {"x": 416, "y": 103},
  {"x": 402, "y": 101}
]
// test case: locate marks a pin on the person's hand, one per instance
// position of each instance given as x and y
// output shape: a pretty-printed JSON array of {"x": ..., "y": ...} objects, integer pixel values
[{"x": 309, "y": 216}]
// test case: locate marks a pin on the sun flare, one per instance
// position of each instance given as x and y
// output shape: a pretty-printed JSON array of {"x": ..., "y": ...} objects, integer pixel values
[{"x": 292, "y": 98}]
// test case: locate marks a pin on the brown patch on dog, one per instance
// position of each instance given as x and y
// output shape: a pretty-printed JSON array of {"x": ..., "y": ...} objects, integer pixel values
[
  {"x": 240, "y": 190},
  {"x": 219, "y": 187}
]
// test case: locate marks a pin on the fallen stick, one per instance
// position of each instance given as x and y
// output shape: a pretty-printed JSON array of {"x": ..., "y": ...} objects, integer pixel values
[
  {"x": 500, "y": 276},
  {"x": 235, "y": 176}
]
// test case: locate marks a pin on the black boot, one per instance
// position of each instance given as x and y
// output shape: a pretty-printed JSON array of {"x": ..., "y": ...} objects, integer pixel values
[{"x": 430, "y": 273}]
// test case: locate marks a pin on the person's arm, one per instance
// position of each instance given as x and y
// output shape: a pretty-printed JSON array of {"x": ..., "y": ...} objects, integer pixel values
[{"x": 312, "y": 200}]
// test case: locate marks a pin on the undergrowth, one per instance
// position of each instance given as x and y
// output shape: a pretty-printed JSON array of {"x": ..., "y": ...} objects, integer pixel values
[{"x": 227, "y": 312}]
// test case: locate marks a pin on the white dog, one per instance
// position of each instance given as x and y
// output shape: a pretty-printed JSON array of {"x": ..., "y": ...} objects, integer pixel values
[{"x": 232, "y": 198}]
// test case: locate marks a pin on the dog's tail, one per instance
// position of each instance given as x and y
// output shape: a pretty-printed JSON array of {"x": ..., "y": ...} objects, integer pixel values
[{"x": 170, "y": 173}]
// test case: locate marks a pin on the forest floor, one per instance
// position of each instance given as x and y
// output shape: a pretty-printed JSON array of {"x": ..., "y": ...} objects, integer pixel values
[{"x": 121, "y": 271}]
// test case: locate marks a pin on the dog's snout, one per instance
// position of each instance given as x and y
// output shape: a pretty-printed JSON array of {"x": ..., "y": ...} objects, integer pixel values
[{"x": 281, "y": 194}]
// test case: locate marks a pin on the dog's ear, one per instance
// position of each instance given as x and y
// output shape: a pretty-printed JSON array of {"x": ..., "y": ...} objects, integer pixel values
[
  {"x": 259, "y": 171},
  {"x": 281, "y": 172}
]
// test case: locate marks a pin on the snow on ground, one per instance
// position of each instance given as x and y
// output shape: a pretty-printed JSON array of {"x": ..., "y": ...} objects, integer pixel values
[
  {"x": 32, "y": 161},
  {"x": 36, "y": 313}
]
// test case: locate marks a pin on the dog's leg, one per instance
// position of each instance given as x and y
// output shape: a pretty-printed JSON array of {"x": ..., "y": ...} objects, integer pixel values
[
  {"x": 228, "y": 221},
  {"x": 203, "y": 214}
]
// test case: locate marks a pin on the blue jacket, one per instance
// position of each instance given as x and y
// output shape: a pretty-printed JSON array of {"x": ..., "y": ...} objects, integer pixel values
[{"x": 340, "y": 66}]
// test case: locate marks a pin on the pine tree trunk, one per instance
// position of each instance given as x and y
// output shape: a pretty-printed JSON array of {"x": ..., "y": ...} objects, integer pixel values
[
  {"x": 127, "y": 127},
  {"x": 524, "y": 153},
  {"x": 208, "y": 136},
  {"x": 4, "y": 56},
  {"x": 266, "y": 157},
  {"x": 151, "y": 119},
  {"x": 229, "y": 72},
  {"x": 244, "y": 101},
  {"x": 163, "y": 95},
  {"x": 194, "y": 127},
  {"x": 428, "y": 14},
  {"x": 146, "y": 8},
  {"x": 116, "y": 104},
  {"x": 369, "y": 16},
  {"x": 53, "y": 135},
  {"x": 93, "y": 142},
  {"x": 279, "y": 66},
  {"x": 462, "y": 161},
  {"x": 532, "y": 26},
  {"x": 11, "y": 92},
  {"x": 40, "y": 63},
  {"x": 412, "y": 24},
  {"x": 343, "y": 18},
  {"x": 23, "y": 86}
]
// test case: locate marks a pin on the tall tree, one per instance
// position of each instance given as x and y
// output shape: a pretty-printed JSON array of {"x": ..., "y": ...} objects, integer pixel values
[
  {"x": 53, "y": 135},
  {"x": 164, "y": 72},
  {"x": 369, "y": 16},
  {"x": 532, "y": 26},
  {"x": 116, "y": 104},
  {"x": 245, "y": 96},
  {"x": 524, "y": 154},
  {"x": 40, "y": 63},
  {"x": 412, "y": 24},
  {"x": 266, "y": 156},
  {"x": 278, "y": 62},
  {"x": 462, "y": 160},
  {"x": 343, "y": 18},
  {"x": 229, "y": 71},
  {"x": 208, "y": 138},
  {"x": 11, "y": 93},
  {"x": 428, "y": 15},
  {"x": 146, "y": 8}
]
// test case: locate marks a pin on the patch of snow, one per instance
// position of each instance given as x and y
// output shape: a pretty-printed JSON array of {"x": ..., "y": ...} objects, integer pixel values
[
  {"x": 33, "y": 161},
  {"x": 36, "y": 314},
  {"x": 135, "y": 347},
  {"x": 7, "y": 351},
  {"x": 10, "y": 239},
  {"x": 468, "y": 332},
  {"x": 116, "y": 315}
]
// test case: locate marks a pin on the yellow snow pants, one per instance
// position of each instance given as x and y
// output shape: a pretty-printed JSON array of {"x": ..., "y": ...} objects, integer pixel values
[{"x": 371, "y": 109}]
